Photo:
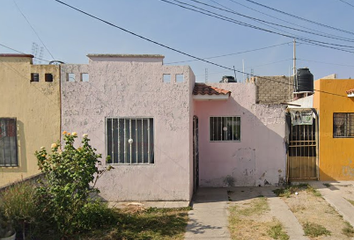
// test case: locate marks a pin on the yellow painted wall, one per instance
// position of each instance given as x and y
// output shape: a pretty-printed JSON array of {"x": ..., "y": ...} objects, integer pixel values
[
  {"x": 336, "y": 155},
  {"x": 36, "y": 105}
]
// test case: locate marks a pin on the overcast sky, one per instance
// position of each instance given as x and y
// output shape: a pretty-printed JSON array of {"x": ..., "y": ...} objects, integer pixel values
[{"x": 70, "y": 35}]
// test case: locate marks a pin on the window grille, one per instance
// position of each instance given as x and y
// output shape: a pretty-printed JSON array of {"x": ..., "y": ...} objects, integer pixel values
[
  {"x": 225, "y": 128},
  {"x": 130, "y": 140},
  {"x": 8, "y": 142},
  {"x": 343, "y": 125},
  {"x": 34, "y": 77}
]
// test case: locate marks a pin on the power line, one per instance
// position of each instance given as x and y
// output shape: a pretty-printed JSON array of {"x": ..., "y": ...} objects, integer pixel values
[
  {"x": 173, "y": 49},
  {"x": 282, "y": 20},
  {"x": 334, "y": 46},
  {"x": 33, "y": 29},
  {"x": 347, "y": 3},
  {"x": 301, "y": 18},
  {"x": 22, "y": 52},
  {"x": 231, "y": 54},
  {"x": 267, "y": 22},
  {"x": 337, "y": 64}
]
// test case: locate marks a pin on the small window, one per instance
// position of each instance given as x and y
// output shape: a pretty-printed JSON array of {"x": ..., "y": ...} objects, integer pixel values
[
  {"x": 343, "y": 125},
  {"x": 34, "y": 77},
  {"x": 167, "y": 78},
  {"x": 8, "y": 142},
  {"x": 179, "y": 78},
  {"x": 84, "y": 77},
  {"x": 225, "y": 129},
  {"x": 130, "y": 140},
  {"x": 71, "y": 77},
  {"x": 48, "y": 77}
]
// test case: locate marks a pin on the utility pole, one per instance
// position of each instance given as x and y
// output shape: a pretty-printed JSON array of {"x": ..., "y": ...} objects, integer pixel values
[
  {"x": 294, "y": 67},
  {"x": 294, "y": 58},
  {"x": 243, "y": 70}
]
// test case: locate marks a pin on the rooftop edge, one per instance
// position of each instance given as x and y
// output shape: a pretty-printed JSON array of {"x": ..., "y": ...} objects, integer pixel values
[{"x": 126, "y": 55}]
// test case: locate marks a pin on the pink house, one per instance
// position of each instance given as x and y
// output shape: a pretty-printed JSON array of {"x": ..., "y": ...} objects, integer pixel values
[{"x": 166, "y": 135}]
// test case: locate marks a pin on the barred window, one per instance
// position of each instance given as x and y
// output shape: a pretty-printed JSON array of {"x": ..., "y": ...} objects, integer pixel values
[
  {"x": 130, "y": 140},
  {"x": 8, "y": 142},
  {"x": 343, "y": 125},
  {"x": 225, "y": 128}
]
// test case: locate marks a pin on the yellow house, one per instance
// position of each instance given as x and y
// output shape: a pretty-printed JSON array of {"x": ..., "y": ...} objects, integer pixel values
[
  {"x": 335, "y": 105},
  {"x": 29, "y": 114}
]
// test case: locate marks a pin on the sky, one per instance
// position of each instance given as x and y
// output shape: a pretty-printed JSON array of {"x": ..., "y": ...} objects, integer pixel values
[{"x": 250, "y": 36}]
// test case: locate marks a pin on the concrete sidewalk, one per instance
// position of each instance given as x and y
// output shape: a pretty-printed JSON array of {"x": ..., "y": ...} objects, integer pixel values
[
  {"x": 334, "y": 198},
  {"x": 209, "y": 217},
  {"x": 280, "y": 210}
]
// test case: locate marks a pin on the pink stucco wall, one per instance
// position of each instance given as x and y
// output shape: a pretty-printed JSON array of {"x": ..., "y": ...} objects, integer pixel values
[
  {"x": 132, "y": 86},
  {"x": 259, "y": 157}
]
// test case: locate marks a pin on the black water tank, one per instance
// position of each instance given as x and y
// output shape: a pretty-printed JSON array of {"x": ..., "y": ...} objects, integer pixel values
[
  {"x": 304, "y": 80},
  {"x": 228, "y": 79}
]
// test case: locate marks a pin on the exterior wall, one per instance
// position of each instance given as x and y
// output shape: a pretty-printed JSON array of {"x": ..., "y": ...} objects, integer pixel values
[
  {"x": 336, "y": 154},
  {"x": 132, "y": 86},
  {"x": 273, "y": 89},
  {"x": 259, "y": 157},
  {"x": 36, "y": 105}
]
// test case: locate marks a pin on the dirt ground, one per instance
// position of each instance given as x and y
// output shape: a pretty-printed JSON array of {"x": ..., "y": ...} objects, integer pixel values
[
  {"x": 309, "y": 207},
  {"x": 306, "y": 204}
]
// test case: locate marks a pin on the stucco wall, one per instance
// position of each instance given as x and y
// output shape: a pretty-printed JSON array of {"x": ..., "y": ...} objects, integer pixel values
[
  {"x": 259, "y": 157},
  {"x": 336, "y": 155},
  {"x": 36, "y": 105},
  {"x": 133, "y": 87}
]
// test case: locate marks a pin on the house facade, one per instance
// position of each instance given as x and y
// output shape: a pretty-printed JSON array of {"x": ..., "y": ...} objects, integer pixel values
[
  {"x": 140, "y": 113},
  {"x": 335, "y": 106},
  {"x": 29, "y": 114},
  {"x": 164, "y": 134},
  {"x": 256, "y": 156}
]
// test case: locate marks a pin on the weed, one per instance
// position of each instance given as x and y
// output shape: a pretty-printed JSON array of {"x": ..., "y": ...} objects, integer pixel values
[
  {"x": 348, "y": 230},
  {"x": 289, "y": 190},
  {"x": 276, "y": 232},
  {"x": 228, "y": 195},
  {"x": 258, "y": 206},
  {"x": 327, "y": 185},
  {"x": 315, "y": 230},
  {"x": 350, "y": 201},
  {"x": 313, "y": 191}
]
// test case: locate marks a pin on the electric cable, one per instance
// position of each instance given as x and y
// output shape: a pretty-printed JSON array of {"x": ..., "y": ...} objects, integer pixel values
[
  {"x": 339, "y": 47},
  {"x": 232, "y": 54},
  {"x": 301, "y": 18},
  {"x": 282, "y": 20},
  {"x": 167, "y": 47},
  {"x": 267, "y": 22},
  {"x": 33, "y": 29}
]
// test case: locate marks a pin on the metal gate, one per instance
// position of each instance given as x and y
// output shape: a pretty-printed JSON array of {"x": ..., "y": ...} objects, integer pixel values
[{"x": 302, "y": 151}]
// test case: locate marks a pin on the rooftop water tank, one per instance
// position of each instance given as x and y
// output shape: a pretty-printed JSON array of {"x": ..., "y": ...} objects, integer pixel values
[
  {"x": 228, "y": 79},
  {"x": 304, "y": 80}
]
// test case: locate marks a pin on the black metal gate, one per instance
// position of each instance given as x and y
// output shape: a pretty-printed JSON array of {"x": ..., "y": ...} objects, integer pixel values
[{"x": 302, "y": 151}]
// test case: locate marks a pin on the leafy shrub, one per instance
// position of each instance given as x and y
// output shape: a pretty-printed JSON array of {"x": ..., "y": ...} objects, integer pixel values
[
  {"x": 64, "y": 195},
  {"x": 18, "y": 204},
  {"x": 95, "y": 215}
]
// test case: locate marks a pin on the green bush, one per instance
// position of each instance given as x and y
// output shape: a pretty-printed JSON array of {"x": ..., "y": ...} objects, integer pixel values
[
  {"x": 18, "y": 204},
  {"x": 94, "y": 215},
  {"x": 69, "y": 175}
]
